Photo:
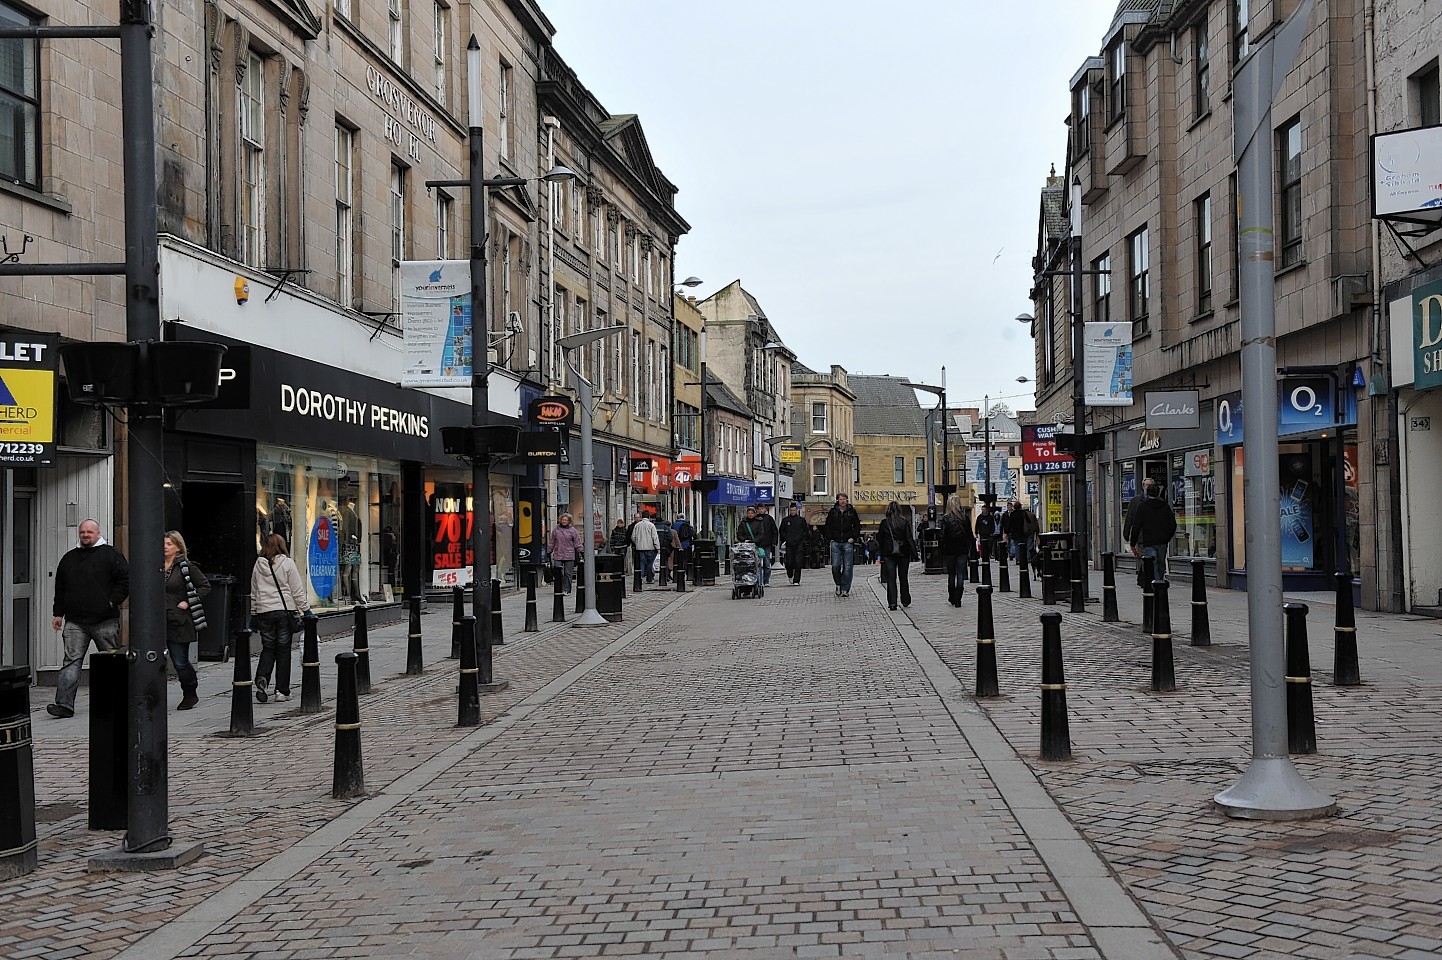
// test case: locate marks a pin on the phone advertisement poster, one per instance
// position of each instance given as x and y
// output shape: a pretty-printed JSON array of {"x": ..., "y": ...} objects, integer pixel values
[
  {"x": 1298, "y": 541},
  {"x": 436, "y": 315}
]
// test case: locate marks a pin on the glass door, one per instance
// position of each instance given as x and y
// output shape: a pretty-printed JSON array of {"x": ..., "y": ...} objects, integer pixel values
[{"x": 17, "y": 528}]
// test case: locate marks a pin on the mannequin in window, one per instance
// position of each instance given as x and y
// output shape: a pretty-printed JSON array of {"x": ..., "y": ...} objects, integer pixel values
[
  {"x": 280, "y": 519},
  {"x": 350, "y": 550}
]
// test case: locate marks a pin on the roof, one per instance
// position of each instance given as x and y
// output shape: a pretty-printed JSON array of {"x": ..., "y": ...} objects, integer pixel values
[
  {"x": 720, "y": 396},
  {"x": 886, "y": 407},
  {"x": 797, "y": 367}
]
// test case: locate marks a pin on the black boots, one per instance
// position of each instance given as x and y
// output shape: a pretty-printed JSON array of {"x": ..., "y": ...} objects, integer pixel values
[{"x": 189, "y": 700}]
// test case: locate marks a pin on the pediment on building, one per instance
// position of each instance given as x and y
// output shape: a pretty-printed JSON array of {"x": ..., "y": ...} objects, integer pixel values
[{"x": 297, "y": 15}]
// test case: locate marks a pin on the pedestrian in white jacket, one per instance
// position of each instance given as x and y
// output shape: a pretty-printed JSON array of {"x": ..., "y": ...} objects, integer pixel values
[
  {"x": 277, "y": 602},
  {"x": 647, "y": 542}
]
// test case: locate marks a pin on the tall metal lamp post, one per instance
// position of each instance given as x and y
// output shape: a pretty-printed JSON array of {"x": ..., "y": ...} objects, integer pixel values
[
  {"x": 589, "y": 617},
  {"x": 479, "y": 445},
  {"x": 946, "y": 487}
]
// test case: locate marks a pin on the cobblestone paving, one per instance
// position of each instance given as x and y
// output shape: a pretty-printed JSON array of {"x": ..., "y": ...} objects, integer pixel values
[
  {"x": 1366, "y": 883},
  {"x": 705, "y": 792}
]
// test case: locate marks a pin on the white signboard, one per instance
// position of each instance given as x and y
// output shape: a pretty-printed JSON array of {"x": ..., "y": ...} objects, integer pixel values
[
  {"x": 436, "y": 310},
  {"x": 1407, "y": 171},
  {"x": 1107, "y": 359}
]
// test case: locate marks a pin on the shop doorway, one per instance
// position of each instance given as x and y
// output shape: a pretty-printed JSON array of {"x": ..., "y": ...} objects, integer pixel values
[
  {"x": 17, "y": 599},
  {"x": 218, "y": 532}
]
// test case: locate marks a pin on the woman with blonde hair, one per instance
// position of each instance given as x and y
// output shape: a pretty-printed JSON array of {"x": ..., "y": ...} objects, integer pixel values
[
  {"x": 277, "y": 601},
  {"x": 184, "y": 586},
  {"x": 957, "y": 545}
]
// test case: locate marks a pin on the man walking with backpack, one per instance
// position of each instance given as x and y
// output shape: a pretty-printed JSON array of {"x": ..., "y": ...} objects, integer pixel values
[
  {"x": 685, "y": 536},
  {"x": 1019, "y": 527},
  {"x": 1153, "y": 530}
]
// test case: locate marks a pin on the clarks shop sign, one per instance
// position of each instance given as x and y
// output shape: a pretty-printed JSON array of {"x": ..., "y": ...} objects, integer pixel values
[
  {"x": 1173, "y": 409},
  {"x": 297, "y": 402}
]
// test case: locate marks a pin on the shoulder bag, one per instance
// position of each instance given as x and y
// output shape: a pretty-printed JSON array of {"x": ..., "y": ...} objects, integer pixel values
[
  {"x": 192, "y": 599},
  {"x": 296, "y": 624}
]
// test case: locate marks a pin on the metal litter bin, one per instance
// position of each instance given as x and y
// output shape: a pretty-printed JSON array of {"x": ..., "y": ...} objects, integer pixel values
[
  {"x": 214, "y": 641},
  {"x": 707, "y": 564},
  {"x": 610, "y": 585},
  {"x": 1055, "y": 550},
  {"x": 931, "y": 550},
  {"x": 17, "y": 775}
]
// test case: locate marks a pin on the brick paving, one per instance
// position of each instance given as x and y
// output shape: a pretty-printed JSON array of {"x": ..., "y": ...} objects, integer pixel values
[{"x": 792, "y": 777}]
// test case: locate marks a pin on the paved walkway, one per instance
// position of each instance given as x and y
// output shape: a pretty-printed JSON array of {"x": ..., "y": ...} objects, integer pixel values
[{"x": 799, "y": 776}]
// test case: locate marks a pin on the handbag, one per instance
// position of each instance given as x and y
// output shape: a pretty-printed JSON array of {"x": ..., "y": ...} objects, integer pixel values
[
  {"x": 192, "y": 599},
  {"x": 296, "y": 623}
]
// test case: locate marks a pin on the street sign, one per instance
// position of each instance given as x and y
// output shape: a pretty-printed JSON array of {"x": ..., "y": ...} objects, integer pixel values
[{"x": 790, "y": 453}]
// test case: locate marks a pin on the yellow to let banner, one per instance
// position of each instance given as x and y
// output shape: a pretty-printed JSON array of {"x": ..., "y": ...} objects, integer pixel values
[
  {"x": 790, "y": 453},
  {"x": 27, "y": 399}
]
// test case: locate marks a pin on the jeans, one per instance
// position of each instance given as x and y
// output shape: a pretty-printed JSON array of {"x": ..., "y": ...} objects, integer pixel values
[
  {"x": 895, "y": 573},
  {"x": 648, "y": 565},
  {"x": 1159, "y": 554},
  {"x": 955, "y": 565},
  {"x": 565, "y": 572},
  {"x": 180, "y": 660},
  {"x": 77, "y": 638},
  {"x": 275, "y": 634},
  {"x": 763, "y": 566},
  {"x": 842, "y": 557}
]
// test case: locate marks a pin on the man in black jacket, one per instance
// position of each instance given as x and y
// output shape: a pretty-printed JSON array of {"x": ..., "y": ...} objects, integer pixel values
[
  {"x": 91, "y": 583},
  {"x": 1152, "y": 530},
  {"x": 843, "y": 530},
  {"x": 793, "y": 534}
]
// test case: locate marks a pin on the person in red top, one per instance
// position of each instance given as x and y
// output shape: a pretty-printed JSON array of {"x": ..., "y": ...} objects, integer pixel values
[{"x": 565, "y": 548}]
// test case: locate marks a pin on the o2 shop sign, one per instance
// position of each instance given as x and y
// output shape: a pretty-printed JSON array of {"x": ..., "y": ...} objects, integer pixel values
[{"x": 1304, "y": 405}]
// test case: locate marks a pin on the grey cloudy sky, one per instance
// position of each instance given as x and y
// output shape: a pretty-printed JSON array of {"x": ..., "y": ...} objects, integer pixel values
[{"x": 869, "y": 171}]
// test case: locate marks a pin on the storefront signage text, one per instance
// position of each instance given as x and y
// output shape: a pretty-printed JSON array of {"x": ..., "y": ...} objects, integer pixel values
[
  {"x": 451, "y": 551},
  {"x": 884, "y": 496},
  {"x": 342, "y": 409},
  {"x": 410, "y": 114},
  {"x": 1039, "y": 454},
  {"x": 1173, "y": 409},
  {"x": 27, "y": 400},
  {"x": 1427, "y": 327},
  {"x": 1304, "y": 405}
]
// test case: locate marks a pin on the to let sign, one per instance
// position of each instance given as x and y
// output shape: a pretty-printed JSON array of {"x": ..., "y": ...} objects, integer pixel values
[
  {"x": 1039, "y": 454},
  {"x": 27, "y": 400}
]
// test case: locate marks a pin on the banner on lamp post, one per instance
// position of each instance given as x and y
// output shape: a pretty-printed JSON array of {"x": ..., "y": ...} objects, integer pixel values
[
  {"x": 436, "y": 323},
  {"x": 1107, "y": 364}
]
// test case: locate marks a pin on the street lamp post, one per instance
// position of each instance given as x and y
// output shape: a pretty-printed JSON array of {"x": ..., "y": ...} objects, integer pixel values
[
  {"x": 946, "y": 487},
  {"x": 589, "y": 617},
  {"x": 479, "y": 443}
]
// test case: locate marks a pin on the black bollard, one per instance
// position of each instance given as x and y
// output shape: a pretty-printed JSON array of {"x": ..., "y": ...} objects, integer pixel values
[
  {"x": 349, "y": 779},
  {"x": 1048, "y": 581},
  {"x": 679, "y": 574},
  {"x": 580, "y": 585},
  {"x": 109, "y": 742},
  {"x": 558, "y": 599},
  {"x": 1164, "y": 677},
  {"x": 1055, "y": 735},
  {"x": 242, "y": 710},
  {"x": 1003, "y": 572},
  {"x": 18, "y": 845},
  {"x": 1023, "y": 579},
  {"x": 458, "y": 610},
  {"x": 1301, "y": 727},
  {"x": 310, "y": 668},
  {"x": 1201, "y": 623},
  {"x": 532, "y": 622},
  {"x": 636, "y": 580},
  {"x": 1149, "y": 566},
  {"x": 1345, "y": 671},
  {"x": 470, "y": 693},
  {"x": 1109, "y": 588},
  {"x": 973, "y": 572},
  {"x": 415, "y": 658},
  {"x": 362, "y": 649},
  {"x": 986, "y": 679},
  {"x": 985, "y": 562},
  {"x": 1078, "y": 590},
  {"x": 485, "y": 652},
  {"x": 498, "y": 629}
]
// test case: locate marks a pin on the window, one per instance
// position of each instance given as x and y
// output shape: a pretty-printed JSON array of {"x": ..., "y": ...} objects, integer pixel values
[
  {"x": 1139, "y": 279},
  {"x": 1102, "y": 289},
  {"x": 899, "y": 470},
  {"x": 1426, "y": 98},
  {"x": 1117, "y": 77},
  {"x": 820, "y": 468},
  {"x": 1289, "y": 166},
  {"x": 636, "y": 373},
  {"x": 504, "y": 116},
  {"x": 596, "y": 233},
  {"x": 855, "y": 469},
  {"x": 441, "y": 35},
  {"x": 1241, "y": 42},
  {"x": 818, "y": 417},
  {"x": 920, "y": 473},
  {"x": 646, "y": 268},
  {"x": 1202, "y": 71},
  {"x": 342, "y": 7},
  {"x": 397, "y": 34},
  {"x": 576, "y": 223},
  {"x": 635, "y": 250},
  {"x": 1202, "y": 215},
  {"x": 252, "y": 162},
  {"x": 663, "y": 381},
  {"x": 1082, "y": 108},
  {"x": 613, "y": 240},
  {"x": 398, "y": 231},
  {"x": 19, "y": 103},
  {"x": 344, "y": 215},
  {"x": 650, "y": 379},
  {"x": 443, "y": 226}
]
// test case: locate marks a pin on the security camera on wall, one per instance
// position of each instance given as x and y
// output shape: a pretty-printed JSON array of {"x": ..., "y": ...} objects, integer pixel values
[{"x": 513, "y": 322}]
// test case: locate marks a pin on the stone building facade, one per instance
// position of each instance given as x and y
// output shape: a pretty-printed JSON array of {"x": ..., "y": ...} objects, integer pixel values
[
  {"x": 891, "y": 447},
  {"x": 823, "y": 423}
]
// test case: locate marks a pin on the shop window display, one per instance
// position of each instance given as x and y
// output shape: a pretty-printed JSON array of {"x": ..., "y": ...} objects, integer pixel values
[{"x": 1193, "y": 493}]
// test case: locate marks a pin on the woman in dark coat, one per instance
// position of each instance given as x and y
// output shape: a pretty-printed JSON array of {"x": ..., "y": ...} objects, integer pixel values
[
  {"x": 897, "y": 546},
  {"x": 180, "y": 576},
  {"x": 957, "y": 545}
]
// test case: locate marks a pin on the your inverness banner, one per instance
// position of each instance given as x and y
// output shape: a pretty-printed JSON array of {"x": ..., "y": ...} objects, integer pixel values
[{"x": 436, "y": 315}]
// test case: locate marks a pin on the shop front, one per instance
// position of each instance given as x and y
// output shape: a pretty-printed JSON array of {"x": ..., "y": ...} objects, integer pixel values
[
  {"x": 322, "y": 457},
  {"x": 608, "y": 498},
  {"x": 1415, "y": 312},
  {"x": 1318, "y": 494},
  {"x": 1182, "y": 463}
]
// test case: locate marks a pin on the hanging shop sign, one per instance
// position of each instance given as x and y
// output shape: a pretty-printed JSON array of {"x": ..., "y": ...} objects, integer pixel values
[
  {"x": 27, "y": 400},
  {"x": 1039, "y": 454},
  {"x": 436, "y": 315},
  {"x": 1107, "y": 359},
  {"x": 685, "y": 470},
  {"x": 1173, "y": 409},
  {"x": 551, "y": 411},
  {"x": 1407, "y": 172},
  {"x": 650, "y": 474},
  {"x": 547, "y": 445}
]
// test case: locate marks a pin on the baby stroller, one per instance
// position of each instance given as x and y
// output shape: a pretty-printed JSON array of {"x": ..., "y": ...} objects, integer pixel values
[{"x": 745, "y": 572}]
